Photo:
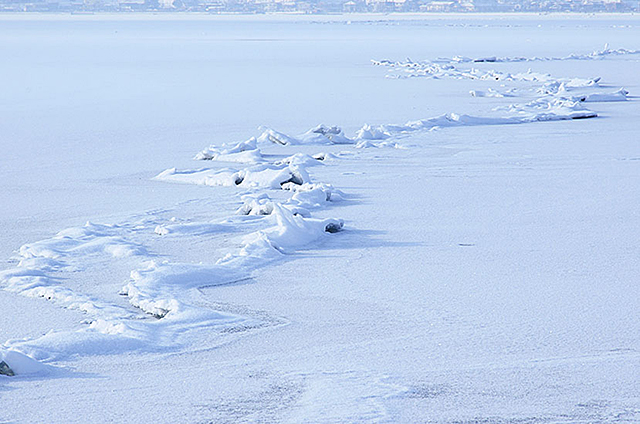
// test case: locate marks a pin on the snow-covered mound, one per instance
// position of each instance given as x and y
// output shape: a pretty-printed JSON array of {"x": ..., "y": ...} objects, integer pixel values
[
  {"x": 545, "y": 110},
  {"x": 288, "y": 233},
  {"x": 536, "y": 111},
  {"x": 619, "y": 95},
  {"x": 263, "y": 175},
  {"x": 157, "y": 289},
  {"x": 243, "y": 152},
  {"x": 14, "y": 363},
  {"x": 69, "y": 251},
  {"x": 318, "y": 135},
  {"x": 493, "y": 93}
]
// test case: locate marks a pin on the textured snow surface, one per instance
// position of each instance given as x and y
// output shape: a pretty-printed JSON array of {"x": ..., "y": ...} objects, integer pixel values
[{"x": 476, "y": 263}]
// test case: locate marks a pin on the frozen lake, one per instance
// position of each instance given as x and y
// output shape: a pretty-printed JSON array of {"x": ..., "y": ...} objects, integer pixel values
[{"x": 486, "y": 271}]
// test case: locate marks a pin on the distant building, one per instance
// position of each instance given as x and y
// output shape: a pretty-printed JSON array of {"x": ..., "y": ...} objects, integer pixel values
[
  {"x": 349, "y": 7},
  {"x": 131, "y": 5},
  {"x": 438, "y": 6},
  {"x": 389, "y": 5}
]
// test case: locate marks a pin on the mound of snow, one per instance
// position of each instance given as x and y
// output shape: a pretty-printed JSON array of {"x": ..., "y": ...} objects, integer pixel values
[
  {"x": 157, "y": 289},
  {"x": 209, "y": 177},
  {"x": 263, "y": 175},
  {"x": 193, "y": 228},
  {"x": 302, "y": 159},
  {"x": 538, "y": 110},
  {"x": 16, "y": 363},
  {"x": 36, "y": 283},
  {"x": 88, "y": 240},
  {"x": 553, "y": 110},
  {"x": 319, "y": 135},
  {"x": 615, "y": 96},
  {"x": 68, "y": 251},
  {"x": 289, "y": 233},
  {"x": 260, "y": 204},
  {"x": 493, "y": 93},
  {"x": 312, "y": 195},
  {"x": 243, "y": 152}
]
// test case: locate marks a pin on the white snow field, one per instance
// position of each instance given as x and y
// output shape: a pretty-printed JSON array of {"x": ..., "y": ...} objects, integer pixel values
[{"x": 304, "y": 219}]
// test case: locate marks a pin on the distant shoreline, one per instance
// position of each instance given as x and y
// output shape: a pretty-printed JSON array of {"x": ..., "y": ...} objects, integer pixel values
[{"x": 326, "y": 17}]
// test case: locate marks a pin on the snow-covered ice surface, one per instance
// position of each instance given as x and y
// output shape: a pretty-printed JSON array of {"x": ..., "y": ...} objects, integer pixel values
[{"x": 240, "y": 219}]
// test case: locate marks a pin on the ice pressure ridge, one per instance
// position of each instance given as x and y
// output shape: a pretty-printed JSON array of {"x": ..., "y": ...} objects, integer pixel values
[
  {"x": 553, "y": 97},
  {"x": 546, "y": 98},
  {"x": 142, "y": 301},
  {"x": 159, "y": 306},
  {"x": 547, "y": 108},
  {"x": 595, "y": 55}
]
